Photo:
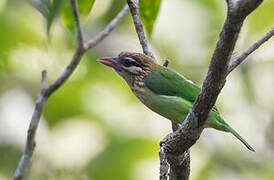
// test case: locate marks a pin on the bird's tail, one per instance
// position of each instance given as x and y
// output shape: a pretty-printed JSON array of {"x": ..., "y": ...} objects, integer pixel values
[{"x": 238, "y": 136}]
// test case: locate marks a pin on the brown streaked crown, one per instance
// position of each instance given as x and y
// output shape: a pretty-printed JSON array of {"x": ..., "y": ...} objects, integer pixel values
[{"x": 145, "y": 61}]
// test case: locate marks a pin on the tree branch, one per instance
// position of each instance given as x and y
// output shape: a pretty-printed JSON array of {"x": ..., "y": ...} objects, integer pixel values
[
  {"x": 134, "y": 9},
  {"x": 238, "y": 60},
  {"x": 46, "y": 91},
  {"x": 66, "y": 73},
  {"x": 101, "y": 35},
  {"x": 178, "y": 143},
  {"x": 74, "y": 6},
  {"x": 164, "y": 166},
  {"x": 25, "y": 160},
  {"x": 180, "y": 169}
]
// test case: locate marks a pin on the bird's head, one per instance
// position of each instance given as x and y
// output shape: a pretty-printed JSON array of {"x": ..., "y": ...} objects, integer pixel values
[{"x": 130, "y": 66}]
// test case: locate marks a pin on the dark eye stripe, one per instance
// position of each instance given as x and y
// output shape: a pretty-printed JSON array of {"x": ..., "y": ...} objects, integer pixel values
[
  {"x": 130, "y": 62},
  {"x": 127, "y": 63}
]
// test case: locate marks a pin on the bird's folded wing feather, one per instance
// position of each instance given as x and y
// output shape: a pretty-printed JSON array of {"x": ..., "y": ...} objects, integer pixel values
[{"x": 170, "y": 83}]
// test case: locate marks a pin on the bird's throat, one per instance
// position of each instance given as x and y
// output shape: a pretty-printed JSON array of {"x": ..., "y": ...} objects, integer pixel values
[{"x": 138, "y": 88}]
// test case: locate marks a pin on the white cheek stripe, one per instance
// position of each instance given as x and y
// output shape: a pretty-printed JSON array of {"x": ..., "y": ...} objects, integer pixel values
[
  {"x": 133, "y": 69},
  {"x": 129, "y": 58}
]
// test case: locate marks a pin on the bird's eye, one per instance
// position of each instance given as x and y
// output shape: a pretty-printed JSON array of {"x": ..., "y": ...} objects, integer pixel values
[{"x": 127, "y": 63}]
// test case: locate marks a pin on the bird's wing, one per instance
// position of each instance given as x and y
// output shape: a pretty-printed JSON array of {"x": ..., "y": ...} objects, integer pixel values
[{"x": 170, "y": 83}]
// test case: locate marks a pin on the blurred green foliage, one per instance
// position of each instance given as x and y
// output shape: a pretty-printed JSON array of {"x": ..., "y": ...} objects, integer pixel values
[
  {"x": 125, "y": 134},
  {"x": 10, "y": 24},
  {"x": 111, "y": 165},
  {"x": 9, "y": 159},
  {"x": 149, "y": 12},
  {"x": 262, "y": 18}
]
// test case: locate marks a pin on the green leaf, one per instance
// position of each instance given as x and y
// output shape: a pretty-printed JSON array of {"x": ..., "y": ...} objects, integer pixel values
[
  {"x": 84, "y": 7},
  {"x": 149, "y": 11},
  {"x": 53, "y": 9},
  {"x": 48, "y": 8}
]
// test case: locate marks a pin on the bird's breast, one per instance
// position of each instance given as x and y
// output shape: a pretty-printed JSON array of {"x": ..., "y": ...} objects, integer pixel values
[
  {"x": 171, "y": 108},
  {"x": 140, "y": 93},
  {"x": 139, "y": 89}
]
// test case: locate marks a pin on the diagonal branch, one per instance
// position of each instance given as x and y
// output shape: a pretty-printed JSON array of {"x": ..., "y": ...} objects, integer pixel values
[
  {"x": 178, "y": 143},
  {"x": 134, "y": 9},
  {"x": 66, "y": 73},
  {"x": 238, "y": 60},
  {"x": 46, "y": 91},
  {"x": 74, "y": 6},
  {"x": 101, "y": 35}
]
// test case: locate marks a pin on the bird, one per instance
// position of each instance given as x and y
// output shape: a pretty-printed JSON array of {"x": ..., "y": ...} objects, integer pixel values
[{"x": 163, "y": 90}]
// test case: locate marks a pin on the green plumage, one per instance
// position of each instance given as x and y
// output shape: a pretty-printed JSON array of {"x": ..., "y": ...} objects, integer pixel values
[
  {"x": 172, "y": 96},
  {"x": 164, "y": 81}
]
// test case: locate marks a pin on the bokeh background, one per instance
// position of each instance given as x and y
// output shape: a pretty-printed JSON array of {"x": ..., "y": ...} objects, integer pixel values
[{"x": 93, "y": 127}]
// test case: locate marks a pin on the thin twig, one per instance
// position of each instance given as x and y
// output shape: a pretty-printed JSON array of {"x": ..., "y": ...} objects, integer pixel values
[
  {"x": 166, "y": 63},
  {"x": 46, "y": 91},
  {"x": 134, "y": 9},
  {"x": 238, "y": 60},
  {"x": 25, "y": 160},
  {"x": 74, "y": 6},
  {"x": 101, "y": 35}
]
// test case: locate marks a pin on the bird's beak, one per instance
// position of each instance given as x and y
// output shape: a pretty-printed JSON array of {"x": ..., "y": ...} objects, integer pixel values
[{"x": 108, "y": 61}]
